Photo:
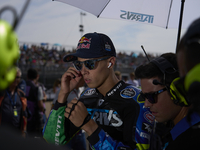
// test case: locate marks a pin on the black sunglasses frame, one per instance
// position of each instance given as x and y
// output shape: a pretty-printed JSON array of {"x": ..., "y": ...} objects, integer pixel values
[
  {"x": 90, "y": 62},
  {"x": 151, "y": 96}
]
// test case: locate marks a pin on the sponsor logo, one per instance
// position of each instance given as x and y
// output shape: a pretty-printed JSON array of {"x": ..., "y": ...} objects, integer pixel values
[
  {"x": 149, "y": 117},
  {"x": 146, "y": 127},
  {"x": 84, "y": 39},
  {"x": 136, "y": 16},
  {"x": 144, "y": 135},
  {"x": 107, "y": 47},
  {"x": 90, "y": 92},
  {"x": 128, "y": 93},
  {"x": 100, "y": 102},
  {"x": 115, "y": 89},
  {"x": 82, "y": 45},
  {"x": 57, "y": 130},
  {"x": 108, "y": 118}
]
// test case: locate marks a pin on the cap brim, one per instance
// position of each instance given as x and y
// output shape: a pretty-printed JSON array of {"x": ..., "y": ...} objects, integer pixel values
[
  {"x": 74, "y": 56},
  {"x": 70, "y": 57}
]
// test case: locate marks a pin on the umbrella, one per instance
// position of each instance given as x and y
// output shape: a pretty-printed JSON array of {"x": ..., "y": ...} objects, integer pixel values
[
  {"x": 44, "y": 44},
  {"x": 162, "y": 13},
  {"x": 57, "y": 44}
]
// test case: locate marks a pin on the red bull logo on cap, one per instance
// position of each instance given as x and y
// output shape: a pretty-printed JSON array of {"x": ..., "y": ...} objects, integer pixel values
[
  {"x": 84, "y": 43},
  {"x": 84, "y": 39}
]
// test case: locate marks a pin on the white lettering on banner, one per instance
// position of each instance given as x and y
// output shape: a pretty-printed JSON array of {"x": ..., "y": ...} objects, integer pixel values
[
  {"x": 109, "y": 119},
  {"x": 137, "y": 16},
  {"x": 57, "y": 130}
]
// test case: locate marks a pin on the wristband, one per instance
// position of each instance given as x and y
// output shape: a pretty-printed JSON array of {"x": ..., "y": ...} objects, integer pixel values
[
  {"x": 73, "y": 106},
  {"x": 87, "y": 118}
]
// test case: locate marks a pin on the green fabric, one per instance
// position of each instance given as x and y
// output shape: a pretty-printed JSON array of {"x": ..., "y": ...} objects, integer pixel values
[{"x": 54, "y": 130}]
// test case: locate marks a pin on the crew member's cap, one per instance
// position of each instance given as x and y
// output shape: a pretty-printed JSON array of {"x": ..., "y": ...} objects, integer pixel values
[{"x": 92, "y": 45}]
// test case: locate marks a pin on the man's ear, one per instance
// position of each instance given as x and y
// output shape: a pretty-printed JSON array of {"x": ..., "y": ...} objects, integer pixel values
[
  {"x": 111, "y": 61},
  {"x": 110, "y": 64}
]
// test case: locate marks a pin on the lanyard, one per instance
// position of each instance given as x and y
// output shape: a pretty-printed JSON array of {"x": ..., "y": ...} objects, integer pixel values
[{"x": 11, "y": 101}]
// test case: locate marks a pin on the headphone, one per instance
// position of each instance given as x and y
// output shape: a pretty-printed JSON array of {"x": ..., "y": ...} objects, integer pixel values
[
  {"x": 178, "y": 96},
  {"x": 10, "y": 52},
  {"x": 109, "y": 64}
]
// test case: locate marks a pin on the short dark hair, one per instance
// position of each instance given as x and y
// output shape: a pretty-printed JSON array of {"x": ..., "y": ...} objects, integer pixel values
[
  {"x": 32, "y": 74},
  {"x": 150, "y": 70}
]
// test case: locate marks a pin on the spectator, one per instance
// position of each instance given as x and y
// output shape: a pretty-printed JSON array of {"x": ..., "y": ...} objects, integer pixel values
[
  {"x": 111, "y": 104},
  {"x": 56, "y": 85},
  {"x": 42, "y": 97},
  {"x": 125, "y": 79},
  {"x": 34, "y": 126},
  {"x": 13, "y": 106},
  {"x": 132, "y": 80},
  {"x": 118, "y": 75},
  {"x": 22, "y": 85}
]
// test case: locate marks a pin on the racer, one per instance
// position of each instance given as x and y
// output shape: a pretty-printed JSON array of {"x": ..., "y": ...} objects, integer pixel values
[{"x": 108, "y": 110}]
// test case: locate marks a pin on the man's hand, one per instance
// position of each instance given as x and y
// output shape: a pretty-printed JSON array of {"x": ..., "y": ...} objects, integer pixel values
[
  {"x": 69, "y": 81},
  {"x": 76, "y": 112}
]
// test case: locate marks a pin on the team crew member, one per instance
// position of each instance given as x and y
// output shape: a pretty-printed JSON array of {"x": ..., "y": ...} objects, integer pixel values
[
  {"x": 13, "y": 106},
  {"x": 112, "y": 106},
  {"x": 167, "y": 104},
  {"x": 188, "y": 54}
]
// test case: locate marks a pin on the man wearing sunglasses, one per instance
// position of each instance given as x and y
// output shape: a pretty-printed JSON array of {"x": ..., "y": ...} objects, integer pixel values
[
  {"x": 166, "y": 103},
  {"x": 108, "y": 110}
]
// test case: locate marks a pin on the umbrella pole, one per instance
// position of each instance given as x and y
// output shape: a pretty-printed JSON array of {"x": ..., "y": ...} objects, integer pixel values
[{"x": 180, "y": 23}]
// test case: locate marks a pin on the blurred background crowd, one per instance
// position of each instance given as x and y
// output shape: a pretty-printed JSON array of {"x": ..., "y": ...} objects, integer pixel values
[{"x": 48, "y": 61}]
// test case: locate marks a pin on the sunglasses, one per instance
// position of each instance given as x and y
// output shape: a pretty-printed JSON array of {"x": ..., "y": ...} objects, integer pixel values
[
  {"x": 89, "y": 64},
  {"x": 151, "y": 97}
]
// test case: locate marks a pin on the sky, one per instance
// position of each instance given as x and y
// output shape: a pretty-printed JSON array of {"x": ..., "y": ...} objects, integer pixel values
[{"x": 47, "y": 21}]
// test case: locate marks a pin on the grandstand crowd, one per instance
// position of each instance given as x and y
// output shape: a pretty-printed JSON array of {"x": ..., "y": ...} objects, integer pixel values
[{"x": 34, "y": 55}]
